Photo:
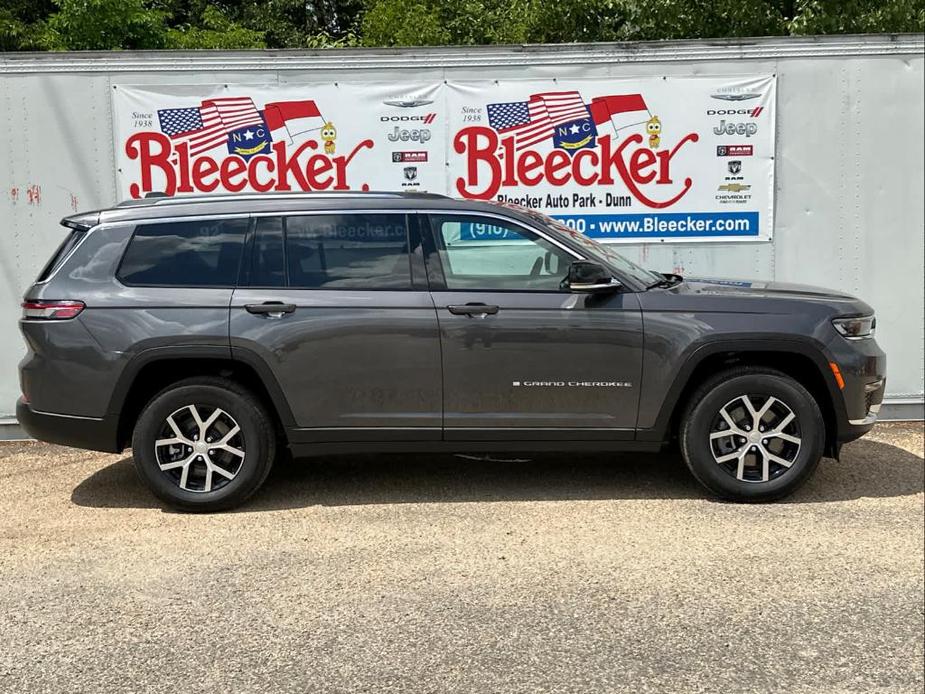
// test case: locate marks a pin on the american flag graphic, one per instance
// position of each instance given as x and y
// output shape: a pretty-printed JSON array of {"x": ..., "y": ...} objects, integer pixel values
[
  {"x": 208, "y": 125},
  {"x": 535, "y": 120}
]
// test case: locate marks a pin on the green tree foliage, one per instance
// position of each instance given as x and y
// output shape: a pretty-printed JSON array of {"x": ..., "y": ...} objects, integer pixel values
[
  {"x": 858, "y": 16},
  {"x": 213, "y": 29},
  {"x": 437, "y": 22},
  {"x": 303, "y": 23},
  {"x": 228, "y": 24},
  {"x": 21, "y": 24},
  {"x": 104, "y": 24}
]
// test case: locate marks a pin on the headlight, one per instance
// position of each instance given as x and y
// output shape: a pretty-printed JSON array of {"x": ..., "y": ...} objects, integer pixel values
[{"x": 856, "y": 328}]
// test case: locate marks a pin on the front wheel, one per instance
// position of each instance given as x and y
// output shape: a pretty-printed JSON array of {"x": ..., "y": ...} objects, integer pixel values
[
  {"x": 203, "y": 444},
  {"x": 752, "y": 435}
]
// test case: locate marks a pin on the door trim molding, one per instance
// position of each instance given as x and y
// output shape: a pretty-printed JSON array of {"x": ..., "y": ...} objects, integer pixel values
[{"x": 527, "y": 434}]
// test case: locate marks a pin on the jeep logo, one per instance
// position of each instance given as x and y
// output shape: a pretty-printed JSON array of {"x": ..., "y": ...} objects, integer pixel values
[
  {"x": 414, "y": 135},
  {"x": 724, "y": 128}
]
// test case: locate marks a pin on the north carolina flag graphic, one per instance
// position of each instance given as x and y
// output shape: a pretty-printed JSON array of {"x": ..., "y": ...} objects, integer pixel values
[
  {"x": 292, "y": 117},
  {"x": 565, "y": 118},
  {"x": 236, "y": 122},
  {"x": 621, "y": 111}
]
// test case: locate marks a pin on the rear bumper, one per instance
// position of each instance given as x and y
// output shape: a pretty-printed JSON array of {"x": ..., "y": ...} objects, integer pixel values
[{"x": 95, "y": 434}]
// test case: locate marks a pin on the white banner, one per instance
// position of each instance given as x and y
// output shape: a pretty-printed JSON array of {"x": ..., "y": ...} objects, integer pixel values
[{"x": 648, "y": 159}]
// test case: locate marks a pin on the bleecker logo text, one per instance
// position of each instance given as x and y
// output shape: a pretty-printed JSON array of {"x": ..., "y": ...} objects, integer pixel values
[
  {"x": 277, "y": 170},
  {"x": 493, "y": 161}
]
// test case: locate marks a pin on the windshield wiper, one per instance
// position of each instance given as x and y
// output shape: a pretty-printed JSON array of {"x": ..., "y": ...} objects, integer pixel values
[{"x": 668, "y": 280}]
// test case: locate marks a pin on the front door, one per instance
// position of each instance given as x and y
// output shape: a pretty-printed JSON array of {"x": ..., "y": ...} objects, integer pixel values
[
  {"x": 524, "y": 359},
  {"x": 337, "y": 306}
]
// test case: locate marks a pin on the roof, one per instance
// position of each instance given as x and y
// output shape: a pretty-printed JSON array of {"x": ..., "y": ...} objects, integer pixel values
[{"x": 160, "y": 207}]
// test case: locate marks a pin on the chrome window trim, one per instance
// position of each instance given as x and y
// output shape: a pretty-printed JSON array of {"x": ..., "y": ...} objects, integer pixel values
[
  {"x": 159, "y": 219},
  {"x": 372, "y": 210},
  {"x": 510, "y": 220},
  {"x": 270, "y": 195}
]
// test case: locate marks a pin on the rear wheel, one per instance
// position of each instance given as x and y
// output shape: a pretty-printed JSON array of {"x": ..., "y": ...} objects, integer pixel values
[
  {"x": 204, "y": 444},
  {"x": 752, "y": 434}
]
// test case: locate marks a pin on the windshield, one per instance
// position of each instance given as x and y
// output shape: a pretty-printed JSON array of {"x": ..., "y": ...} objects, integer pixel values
[{"x": 600, "y": 251}]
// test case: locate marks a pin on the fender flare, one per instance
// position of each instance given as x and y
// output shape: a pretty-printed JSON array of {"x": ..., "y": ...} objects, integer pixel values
[
  {"x": 699, "y": 351},
  {"x": 218, "y": 353}
]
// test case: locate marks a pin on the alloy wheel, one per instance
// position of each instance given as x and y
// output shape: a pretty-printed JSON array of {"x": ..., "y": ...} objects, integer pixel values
[
  {"x": 755, "y": 438},
  {"x": 200, "y": 448}
]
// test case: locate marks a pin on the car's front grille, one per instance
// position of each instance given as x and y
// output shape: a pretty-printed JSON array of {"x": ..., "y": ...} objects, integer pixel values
[{"x": 873, "y": 395}]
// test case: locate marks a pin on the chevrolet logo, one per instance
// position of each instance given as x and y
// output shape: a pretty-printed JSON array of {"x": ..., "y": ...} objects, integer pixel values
[{"x": 733, "y": 187}]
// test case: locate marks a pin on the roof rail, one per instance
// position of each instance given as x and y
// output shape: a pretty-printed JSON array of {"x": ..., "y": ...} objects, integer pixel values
[{"x": 163, "y": 199}]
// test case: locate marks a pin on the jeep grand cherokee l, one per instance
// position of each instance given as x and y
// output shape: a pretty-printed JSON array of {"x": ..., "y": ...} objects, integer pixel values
[{"x": 210, "y": 333}]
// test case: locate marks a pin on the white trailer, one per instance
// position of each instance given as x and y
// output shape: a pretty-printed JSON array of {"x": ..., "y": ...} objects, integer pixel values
[{"x": 843, "y": 205}]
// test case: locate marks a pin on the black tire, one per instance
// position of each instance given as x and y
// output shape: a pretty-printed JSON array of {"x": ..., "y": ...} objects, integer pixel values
[
  {"x": 703, "y": 416},
  {"x": 256, "y": 438}
]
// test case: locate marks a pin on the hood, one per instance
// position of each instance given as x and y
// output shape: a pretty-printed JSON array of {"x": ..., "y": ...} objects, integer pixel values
[{"x": 762, "y": 289}]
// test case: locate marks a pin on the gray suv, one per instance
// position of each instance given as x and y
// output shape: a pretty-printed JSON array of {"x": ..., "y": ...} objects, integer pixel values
[{"x": 210, "y": 334}]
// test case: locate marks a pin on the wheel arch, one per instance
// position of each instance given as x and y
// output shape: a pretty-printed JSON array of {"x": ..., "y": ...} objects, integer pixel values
[
  {"x": 154, "y": 369},
  {"x": 805, "y": 362}
]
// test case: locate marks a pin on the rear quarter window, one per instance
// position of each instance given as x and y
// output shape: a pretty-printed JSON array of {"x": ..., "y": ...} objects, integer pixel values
[
  {"x": 64, "y": 250},
  {"x": 202, "y": 253}
]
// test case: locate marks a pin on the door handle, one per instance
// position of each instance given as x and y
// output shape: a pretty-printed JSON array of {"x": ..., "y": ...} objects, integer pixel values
[
  {"x": 472, "y": 309},
  {"x": 271, "y": 309}
]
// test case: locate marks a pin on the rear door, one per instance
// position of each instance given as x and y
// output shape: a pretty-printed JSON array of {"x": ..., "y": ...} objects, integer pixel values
[
  {"x": 335, "y": 303},
  {"x": 524, "y": 359}
]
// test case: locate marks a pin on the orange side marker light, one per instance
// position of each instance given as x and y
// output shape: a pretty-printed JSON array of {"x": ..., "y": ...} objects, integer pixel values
[{"x": 837, "y": 373}]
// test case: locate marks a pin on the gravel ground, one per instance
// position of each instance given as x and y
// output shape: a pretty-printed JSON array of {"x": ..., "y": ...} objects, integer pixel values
[{"x": 437, "y": 574}]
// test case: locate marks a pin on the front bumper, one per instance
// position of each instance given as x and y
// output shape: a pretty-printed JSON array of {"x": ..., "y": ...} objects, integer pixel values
[
  {"x": 863, "y": 367},
  {"x": 95, "y": 434}
]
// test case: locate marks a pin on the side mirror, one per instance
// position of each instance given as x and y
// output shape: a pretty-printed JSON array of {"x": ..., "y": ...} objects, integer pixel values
[{"x": 586, "y": 276}]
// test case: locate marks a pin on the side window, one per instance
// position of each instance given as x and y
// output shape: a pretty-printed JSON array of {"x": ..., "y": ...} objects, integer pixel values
[
  {"x": 268, "y": 264},
  {"x": 481, "y": 253},
  {"x": 202, "y": 253},
  {"x": 347, "y": 251}
]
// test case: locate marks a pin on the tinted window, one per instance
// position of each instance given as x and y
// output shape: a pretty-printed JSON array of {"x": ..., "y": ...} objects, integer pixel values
[
  {"x": 66, "y": 247},
  {"x": 347, "y": 251},
  {"x": 268, "y": 267},
  {"x": 490, "y": 254},
  {"x": 185, "y": 254}
]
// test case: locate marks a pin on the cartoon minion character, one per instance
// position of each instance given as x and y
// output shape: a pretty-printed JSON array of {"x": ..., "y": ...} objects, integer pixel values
[
  {"x": 328, "y": 134},
  {"x": 654, "y": 128}
]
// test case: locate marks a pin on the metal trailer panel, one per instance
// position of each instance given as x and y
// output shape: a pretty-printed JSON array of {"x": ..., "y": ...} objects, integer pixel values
[{"x": 849, "y": 156}]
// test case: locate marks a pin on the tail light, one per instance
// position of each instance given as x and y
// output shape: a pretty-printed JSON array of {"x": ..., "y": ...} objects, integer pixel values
[{"x": 52, "y": 310}]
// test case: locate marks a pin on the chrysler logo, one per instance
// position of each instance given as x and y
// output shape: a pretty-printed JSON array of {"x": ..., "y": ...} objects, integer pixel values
[
  {"x": 735, "y": 96},
  {"x": 407, "y": 103}
]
